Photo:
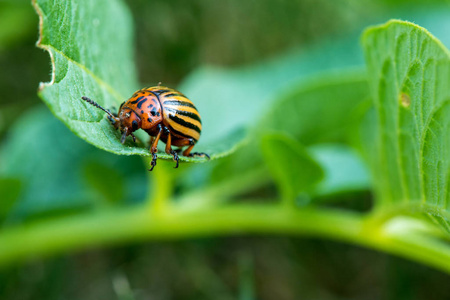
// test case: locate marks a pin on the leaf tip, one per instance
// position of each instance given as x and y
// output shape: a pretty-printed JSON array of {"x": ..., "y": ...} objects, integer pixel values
[{"x": 372, "y": 29}]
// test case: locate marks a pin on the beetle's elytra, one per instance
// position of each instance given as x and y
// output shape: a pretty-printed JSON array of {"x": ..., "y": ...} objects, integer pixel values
[{"x": 165, "y": 114}]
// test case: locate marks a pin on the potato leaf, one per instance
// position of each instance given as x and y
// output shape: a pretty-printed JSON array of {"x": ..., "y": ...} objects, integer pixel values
[
  {"x": 91, "y": 51},
  {"x": 409, "y": 73}
]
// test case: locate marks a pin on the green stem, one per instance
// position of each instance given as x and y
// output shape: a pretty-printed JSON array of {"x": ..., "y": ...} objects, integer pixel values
[
  {"x": 113, "y": 227},
  {"x": 161, "y": 186}
]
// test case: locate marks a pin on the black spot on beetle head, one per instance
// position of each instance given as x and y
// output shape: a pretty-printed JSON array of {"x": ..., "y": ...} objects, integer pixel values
[
  {"x": 134, "y": 125},
  {"x": 129, "y": 120}
]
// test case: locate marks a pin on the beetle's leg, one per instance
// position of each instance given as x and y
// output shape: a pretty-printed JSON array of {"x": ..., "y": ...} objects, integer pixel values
[
  {"x": 187, "y": 152},
  {"x": 150, "y": 142},
  {"x": 134, "y": 138},
  {"x": 199, "y": 154},
  {"x": 188, "y": 149},
  {"x": 154, "y": 148},
  {"x": 114, "y": 121},
  {"x": 175, "y": 157},
  {"x": 166, "y": 130},
  {"x": 170, "y": 151},
  {"x": 153, "y": 162}
]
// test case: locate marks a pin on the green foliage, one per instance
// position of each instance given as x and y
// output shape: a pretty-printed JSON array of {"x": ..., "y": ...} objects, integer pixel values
[
  {"x": 271, "y": 124},
  {"x": 338, "y": 101},
  {"x": 329, "y": 120},
  {"x": 79, "y": 185},
  {"x": 18, "y": 13},
  {"x": 85, "y": 62},
  {"x": 110, "y": 186},
  {"x": 410, "y": 71},
  {"x": 10, "y": 189},
  {"x": 293, "y": 168},
  {"x": 96, "y": 60},
  {"x": 245, "y": 97}
]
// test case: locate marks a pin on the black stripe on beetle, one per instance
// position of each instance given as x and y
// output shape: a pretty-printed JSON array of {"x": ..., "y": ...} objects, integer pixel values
[
  {"x": 159, "y": 92},
  {"x": 184, "y": 113},
  {"x": 174, "y": 95},
  {"x": 184, "y": 123},
  {"x": 179, "y": 103},
  {"x": 176, "y": 132}
]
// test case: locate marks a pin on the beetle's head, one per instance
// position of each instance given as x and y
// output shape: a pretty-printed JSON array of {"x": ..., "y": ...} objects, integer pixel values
[{"x": 129, "y": 122}]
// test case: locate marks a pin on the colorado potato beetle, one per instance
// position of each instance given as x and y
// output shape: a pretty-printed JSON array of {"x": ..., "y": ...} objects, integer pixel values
[{"x": 165, "y": 114}]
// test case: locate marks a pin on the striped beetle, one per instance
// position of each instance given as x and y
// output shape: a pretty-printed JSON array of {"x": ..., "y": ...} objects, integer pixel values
[{"x": 163, "y": 113}]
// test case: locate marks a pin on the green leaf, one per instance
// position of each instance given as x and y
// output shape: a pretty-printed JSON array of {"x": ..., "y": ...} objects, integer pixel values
[
  {"x": 230, "y": 99},
  {"x": 90, "y": 47},
  {"x": 323, "y": 109},
  {"x": 91, "y": 50},
  {"x": 235, "y": 98},
  {"x": 52, "y": 168},
  {"x": 292, "y": 167},
  {"x": 409, "y": 72}
]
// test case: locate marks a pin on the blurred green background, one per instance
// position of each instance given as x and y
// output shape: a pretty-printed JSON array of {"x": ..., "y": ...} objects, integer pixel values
[{"x": 173, "y": 39}]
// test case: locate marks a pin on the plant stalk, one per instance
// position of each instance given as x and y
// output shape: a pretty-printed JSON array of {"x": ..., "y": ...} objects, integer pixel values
[{"x": 136, "y": 224}]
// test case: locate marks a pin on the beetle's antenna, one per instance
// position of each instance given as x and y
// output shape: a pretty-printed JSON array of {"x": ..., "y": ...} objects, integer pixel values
[
  {"x": 124, "y": 135},
  {"x": 98, "y": 106}
]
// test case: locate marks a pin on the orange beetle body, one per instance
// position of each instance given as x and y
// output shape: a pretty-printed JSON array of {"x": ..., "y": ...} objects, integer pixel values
[{"x": 163, "y": 113}]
